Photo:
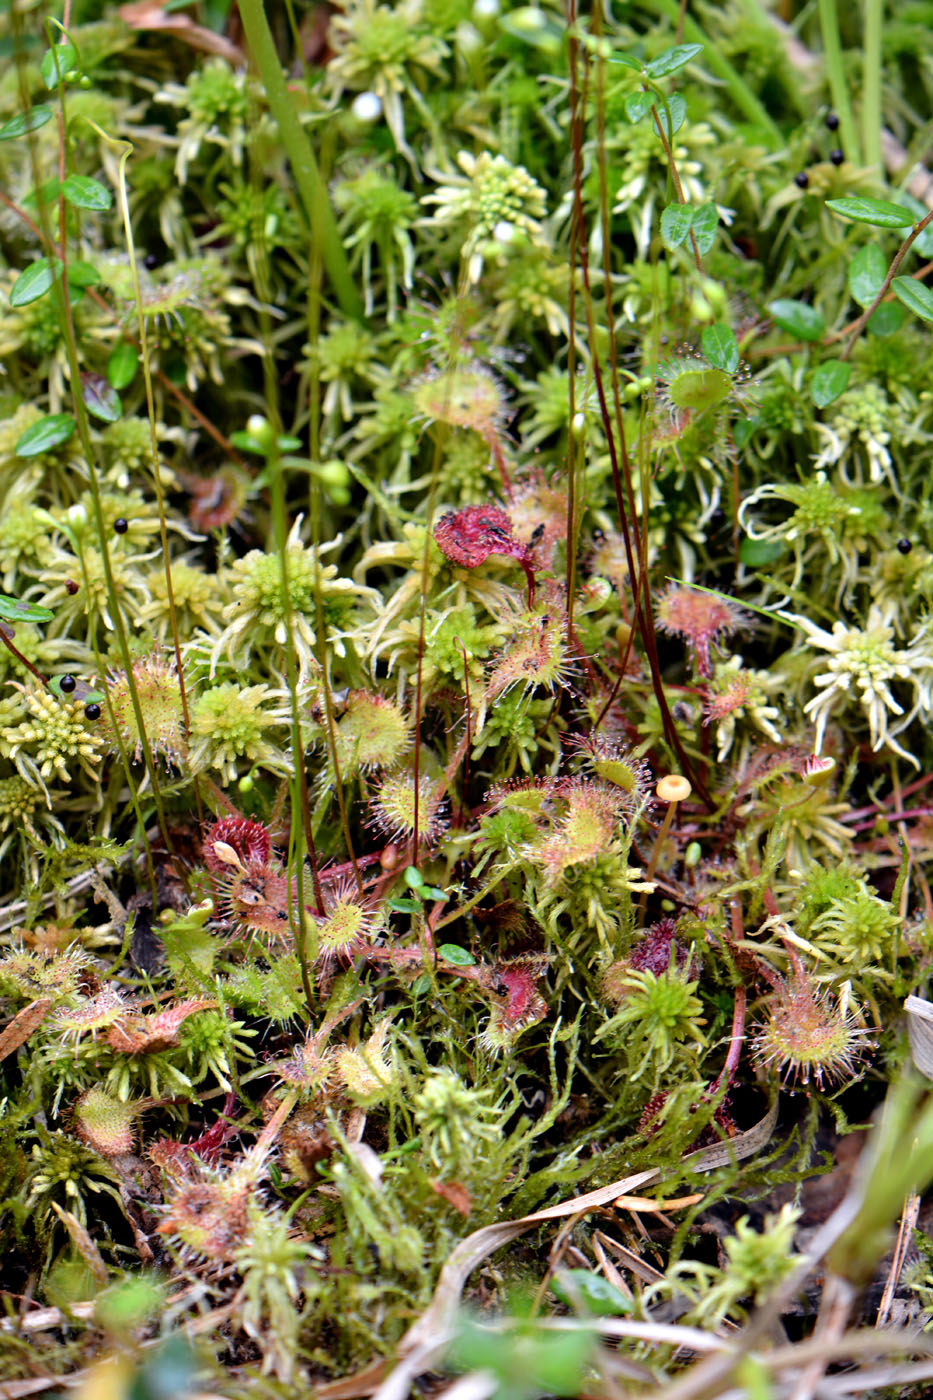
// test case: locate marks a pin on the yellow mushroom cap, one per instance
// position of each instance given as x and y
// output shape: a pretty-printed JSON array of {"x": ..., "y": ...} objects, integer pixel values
[{"x": 673, "y": 788}]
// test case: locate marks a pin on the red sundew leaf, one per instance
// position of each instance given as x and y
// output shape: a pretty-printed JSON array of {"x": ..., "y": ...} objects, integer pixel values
[
  {"x": 250, "y": 840},
  {"x": 467, "y": 537}
]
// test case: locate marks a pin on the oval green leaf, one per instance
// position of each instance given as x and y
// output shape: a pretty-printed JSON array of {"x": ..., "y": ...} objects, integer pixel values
[
  {"x": 888, "y": 319},
  {"x": 705, "y": 224},
  {"x": 122, "y": 366},
  {"x": 915, "y": 296},
  {"x": 829, "y": 381},
  {"x": 100, "y": 398},
  {"x": 880, "y": 212},
  {"x": 34, "y": 282},
  {"x": 82, "y": 274},
  {"x": 57, "y": 63},
  {"x": 597, "y": 1294},
  {"x": 867, "y": 272},
  {"x": 627, "y": 60},
  {"x": 637, "y": 104},
  {"x": 49, "y": 432},
  {"x": 797, "y": 318},
  {"x": 85, "y": 193},
  {"x": 923, "y": 243},
  {"x": 672, "y": 60},
  {"x": 675, "y": 224},
  {"x": 12, "y": 610},
  {"x": 677, "y": 107},
  {"x": 721, "y": 347},
  {"x": 453, "y": 953},
  {"x": 32, "y": 120}
]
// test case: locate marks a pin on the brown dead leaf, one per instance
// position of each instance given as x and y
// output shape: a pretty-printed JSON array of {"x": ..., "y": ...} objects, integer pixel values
[
  {"x": 22, "y": 1026},
  {"x": 455, "y": 1194},
  {"x": 150, "y": 15}
]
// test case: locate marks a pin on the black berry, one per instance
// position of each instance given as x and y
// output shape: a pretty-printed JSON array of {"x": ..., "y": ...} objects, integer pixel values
[
  {"x": 832, "y": 121},
  {"x": 67, "y": 684},
  {"x": 801, "y": 179},
  {"x": 71, "y": 588},
  {"x": 905, "y": 546},
  {"x": 92, "y": 711},
  {"x": 121, "y": 526},
  {"x": 151, "y": 261},
  {"x": 837, "y": 156}
]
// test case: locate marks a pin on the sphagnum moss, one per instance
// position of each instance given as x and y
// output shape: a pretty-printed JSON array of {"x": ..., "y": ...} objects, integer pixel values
[{"x": 608, "y": 482}]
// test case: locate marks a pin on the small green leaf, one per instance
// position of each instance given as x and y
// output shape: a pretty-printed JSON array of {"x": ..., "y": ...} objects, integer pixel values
[
  {"x": 888, "y": 319},
  {"x": 404, "y": 906},
  {"x": 705, "y": 224},
  {"x": 83, "y": 274},
  {"x": 626, "y": 60},
  {"x": 675, "y": 224},
  {"x": 32, "y": 120},
  {"x": 122, "y": 366},
  {"x": 867, "y": 271},
  {"x": 915, "y": 296},
  {"x": 829, "y": 381},
  {"x": 721, "y": 347},
  {"x": 880, "y": 212},
  {"x": 246, "y": 443},
  {"x": 637, "y": 104},
  {"x": 100, "y": 398},
  {"x": 797, "y": 318},
  {"x": 672, "y": 60},
  {"x": 432, "y": 892},
  {"x": 757, "y": 554},
  {"x": 49, "y": 432},
  {"x": 57, "y": 63},
  {"x": 453, "y": 953},
  {"x": 413, "y": 877},
  {"x": 34, "y": 282},
  {"x": 85, "y": 193},
  {"x": 597, "y": 1294},
  {"x": 678, "y": 110},
  {"x": 12, "y": 610}
]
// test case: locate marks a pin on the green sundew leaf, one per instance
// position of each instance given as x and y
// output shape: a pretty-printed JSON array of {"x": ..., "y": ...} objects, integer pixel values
[
  {"x": 887, "y": 319},
  {"x": 672, "y": 60},
  {"x": 453, "y": 953},
  {"x": 867, "y": 272},
  {"x": 49, "y": 432},
  {"x": 797, "y": 318},
  {"x": 915, "y": 296},
  {"x": 675, "y": 224},
  {"x": 100, "y": 398},
  {"x": 678, "y": 110},
  {"x": 34, "y": 282},
  {"x": 82, "y": 274},
  {"x": 700, "y": 389},
  {"x": 829, "y": 381},
  {"x": 596, "y": 1293},
  {"x": 122, "y": 366},
  {"x": 637, "y": 104},
  {"x": 12, "y": 610},
  {"x": 57, "y": 63},
  {"x": 705, "y": 224},
  {"x": 880, "y": 212},
  {"x": 720, "y": 347},
  {"x": 32, "y": 120},
  {"x": 85, "y": 193}
]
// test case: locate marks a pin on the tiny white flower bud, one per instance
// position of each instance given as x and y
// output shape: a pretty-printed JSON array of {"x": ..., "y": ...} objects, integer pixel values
[{"x": 367, "y": 107}]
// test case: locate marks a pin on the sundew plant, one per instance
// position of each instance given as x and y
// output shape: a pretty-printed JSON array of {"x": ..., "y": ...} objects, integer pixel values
[{"x": 466, "y": 685}]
